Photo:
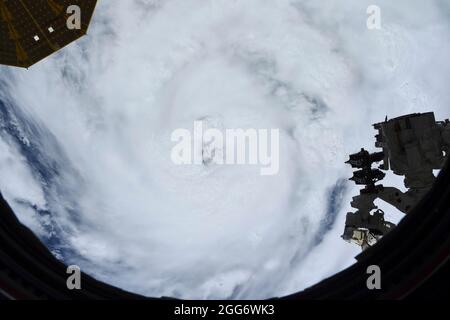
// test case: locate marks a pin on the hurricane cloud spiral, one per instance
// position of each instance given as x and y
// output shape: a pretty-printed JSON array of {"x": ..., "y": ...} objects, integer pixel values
[{"x": 85, "y": 136}]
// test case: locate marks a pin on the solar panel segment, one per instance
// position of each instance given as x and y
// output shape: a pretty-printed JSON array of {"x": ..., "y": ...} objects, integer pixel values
[{"x": 31, "y": 30}]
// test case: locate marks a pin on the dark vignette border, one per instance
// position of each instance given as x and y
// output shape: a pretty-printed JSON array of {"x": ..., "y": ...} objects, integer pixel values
[{"x": 413, "y": 258}]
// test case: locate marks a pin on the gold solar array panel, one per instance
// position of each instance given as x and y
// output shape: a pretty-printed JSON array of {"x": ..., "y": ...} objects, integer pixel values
[{"x": 31, "y": 30}]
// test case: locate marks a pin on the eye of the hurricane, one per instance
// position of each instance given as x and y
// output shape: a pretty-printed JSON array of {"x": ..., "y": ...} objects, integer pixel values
[
  {"x": 212, "y": 150},
  {"x": 196, "y": 149}
]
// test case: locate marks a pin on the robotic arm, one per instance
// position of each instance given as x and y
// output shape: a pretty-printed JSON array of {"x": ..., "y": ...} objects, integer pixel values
[{"x": 413, "y": 146}]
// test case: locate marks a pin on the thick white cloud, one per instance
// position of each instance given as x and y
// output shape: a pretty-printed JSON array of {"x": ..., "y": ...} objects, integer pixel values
[{"x": 106, "y": 106}]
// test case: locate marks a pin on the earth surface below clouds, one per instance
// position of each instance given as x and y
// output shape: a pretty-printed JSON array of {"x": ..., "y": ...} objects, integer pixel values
[{"x": 85, "y": 136}]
